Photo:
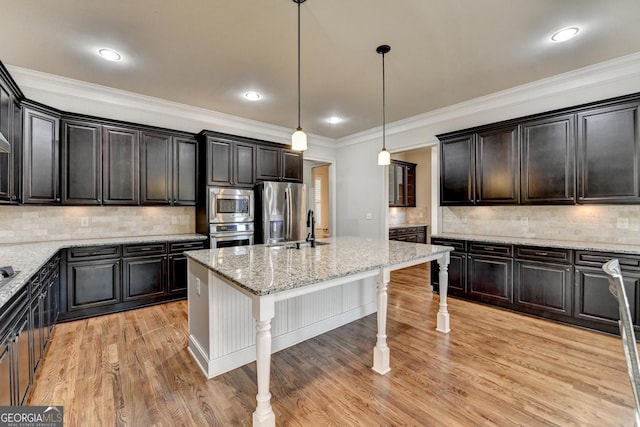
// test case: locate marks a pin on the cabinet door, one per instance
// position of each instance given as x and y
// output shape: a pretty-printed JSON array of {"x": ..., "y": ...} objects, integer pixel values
[
  {"x": 608, "y": 157},
  {"x": 410, "y": 193},
  {"x": 185, "y": 161},
  {"x": 81, "y": 163},
  {"x": 40, "y": 166},
  {"x": 543, "y": 288},
  {"x": 143, "y": 277},
  {"x": 457, "y": 174},
  {"x": 291, "y": 165},
  {"x": 497, "y": 167},
  {"x": 177, "y": 274},
  {"x": 548, "y": 152},
  {"x": 594, "y": 302},
  {"x": 244, "y": 165},
  {"x": 268, "y": 163},
  {"x": 155, "y": 168},
  {"x": 22, "y": 362},
  {"x": 93, "y": 284},
  {"x": 37, "y": 329},
  {"x": 400, "y": 185},
  {"x": 490, "y": 279},
  {"x": 6, "y": 128},
  {"x": 219, "y": 164},
  {"x": 120, "y": 156}
]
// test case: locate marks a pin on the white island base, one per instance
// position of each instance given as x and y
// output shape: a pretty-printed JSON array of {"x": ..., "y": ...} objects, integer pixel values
[{"x": 240, "y": 311}]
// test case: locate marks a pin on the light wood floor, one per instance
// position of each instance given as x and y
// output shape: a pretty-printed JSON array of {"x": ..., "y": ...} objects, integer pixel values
[{"x": 494, "y": 368}]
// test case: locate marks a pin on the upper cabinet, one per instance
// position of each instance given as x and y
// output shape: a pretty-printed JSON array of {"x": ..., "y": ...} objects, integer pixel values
[
  {"x": 585, "y": 154},
  {"x": 168, "y": 165},
  {"x": 11, "y": 130},
  {"x": 41, "y": 147},
  {"x": 402, "y": 184},
  {"x": 234, "y": 161},
  {"x": 608, "y": 154},
  {"x": 120, "y": 174},
  {"x": 81, "y": 151},
  {"x": 547, "y": 159}
]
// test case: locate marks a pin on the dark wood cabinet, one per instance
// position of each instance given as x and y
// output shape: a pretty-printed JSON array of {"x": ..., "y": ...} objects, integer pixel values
[
  {"x": 497, "y": 168},
  {"x": 156, "y": 168},
  {"x": 144, "y": 271},
  {"x": 41, "y": 146},
  {"x": 15, "y": 359},
  {"x": 120, "y": 157},
  {"x": 185, "y": 170},
  {"x": 609, "y": 154},
  {"x": 457, "y": 174},
  {"x": 229, "y": 162},
  {"x": 417, "y": 234},
  {"x": 177, "y": 283},
  {"x": 490, "y": 272},
  {"x": 402, "y": 184},
  {"x": 547, "y": 155},
  {"x": 11, "y": 131},
  {"x": 278, "y": 164},
  {"x": 92, "y": 284},
  {"x": 542, "y": 281},
  {"x": 81, "y": 153}
]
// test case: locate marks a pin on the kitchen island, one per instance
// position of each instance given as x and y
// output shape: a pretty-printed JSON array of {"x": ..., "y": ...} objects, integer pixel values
[{"x": 260, "y": 277}]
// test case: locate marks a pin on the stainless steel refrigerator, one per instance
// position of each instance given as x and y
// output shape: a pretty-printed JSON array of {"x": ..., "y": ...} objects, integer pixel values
[{"x": 280, "y": 212}]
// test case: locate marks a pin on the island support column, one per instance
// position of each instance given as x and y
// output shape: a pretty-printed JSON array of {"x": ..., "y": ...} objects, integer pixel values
[
  {"x": 381, "y": 351},
  {"x": 263, "y": 312},
  {"x": 442, "y": 324}
]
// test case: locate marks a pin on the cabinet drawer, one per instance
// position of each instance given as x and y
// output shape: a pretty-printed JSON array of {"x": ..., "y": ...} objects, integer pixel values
[
  {"x": 93, "y": 252},
  {"x": 185, "y": 246},
  {"x": 459, "y": 245},
  {"x": 491, "y": 249},
  {"x": 596, "y": 259},
  {"x": 144, "y": 249},
  {"x": 538, "y": 253}
]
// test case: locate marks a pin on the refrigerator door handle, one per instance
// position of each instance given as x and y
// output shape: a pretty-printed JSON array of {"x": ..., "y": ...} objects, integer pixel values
[{"x": 288, "y": 214}]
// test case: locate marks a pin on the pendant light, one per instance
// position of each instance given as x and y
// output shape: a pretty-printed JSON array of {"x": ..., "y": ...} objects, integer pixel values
[
  {"x": 384, "y": 158},
  {"x": 299, "y": 138}
]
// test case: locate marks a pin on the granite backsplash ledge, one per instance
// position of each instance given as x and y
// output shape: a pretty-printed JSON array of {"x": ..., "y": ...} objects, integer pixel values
[
  {"x": 581, "y": 223},
  {"x": 23, "y": 224}
]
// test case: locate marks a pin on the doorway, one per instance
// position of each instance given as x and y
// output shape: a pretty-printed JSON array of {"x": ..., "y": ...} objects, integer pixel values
[{"x": 316, "y": 177}]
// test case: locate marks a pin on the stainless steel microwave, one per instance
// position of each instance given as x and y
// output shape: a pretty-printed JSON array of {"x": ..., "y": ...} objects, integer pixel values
[{"x": 230, "y": 205}]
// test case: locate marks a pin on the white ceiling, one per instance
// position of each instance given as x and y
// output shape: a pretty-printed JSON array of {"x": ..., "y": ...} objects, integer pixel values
[{"x": 208, "y": 53}]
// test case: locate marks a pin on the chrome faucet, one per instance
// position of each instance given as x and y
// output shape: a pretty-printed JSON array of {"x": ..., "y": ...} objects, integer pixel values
[{"x": 311, "y": 223}]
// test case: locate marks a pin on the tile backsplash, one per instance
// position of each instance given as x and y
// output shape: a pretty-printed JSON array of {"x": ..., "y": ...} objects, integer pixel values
[
  {"x": 20, "y": 224},
  {"x": 584, "y": 223}
]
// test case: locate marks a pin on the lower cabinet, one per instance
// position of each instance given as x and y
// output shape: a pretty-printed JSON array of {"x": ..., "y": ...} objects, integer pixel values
[
  {"x": 108, "y": 279},
  {"x": 15, "y": 360},
  {"x": 560, "y": 284},
  {"x": 417, "y": 234}
]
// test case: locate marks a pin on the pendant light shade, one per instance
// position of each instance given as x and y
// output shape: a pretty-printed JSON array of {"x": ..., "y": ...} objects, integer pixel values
[
  {"x": 384, "y": 158},
  {"x": 299, "y": 138}
]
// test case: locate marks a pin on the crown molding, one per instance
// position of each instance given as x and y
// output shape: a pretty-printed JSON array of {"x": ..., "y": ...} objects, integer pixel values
[
  {"x": 77, "y": 96},
  {"x": 615, "y": 73}
]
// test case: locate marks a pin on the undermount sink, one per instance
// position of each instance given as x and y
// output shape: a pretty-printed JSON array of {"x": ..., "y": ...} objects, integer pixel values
[{"x": 297, "y": 245}]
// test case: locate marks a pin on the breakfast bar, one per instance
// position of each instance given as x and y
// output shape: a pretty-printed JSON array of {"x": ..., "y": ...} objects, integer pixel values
[{"x": 271, "y": 274}]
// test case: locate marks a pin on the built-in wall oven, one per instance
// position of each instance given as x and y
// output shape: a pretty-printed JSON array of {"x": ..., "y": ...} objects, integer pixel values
[{"x": 231, "y": 214}]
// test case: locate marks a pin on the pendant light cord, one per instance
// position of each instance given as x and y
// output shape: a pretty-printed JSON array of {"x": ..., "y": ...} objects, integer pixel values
[
  {"x": 384, "y": 119},
  {"x": 299, "y": 128}
]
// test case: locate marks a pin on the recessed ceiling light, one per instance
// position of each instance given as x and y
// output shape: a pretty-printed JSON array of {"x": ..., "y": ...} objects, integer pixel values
[
  {"x": 252, "y": 96},
  {"x": 334, "y": 120},
  {"x": 109, "y": 54},
  {"x": 565, "y": 34}
]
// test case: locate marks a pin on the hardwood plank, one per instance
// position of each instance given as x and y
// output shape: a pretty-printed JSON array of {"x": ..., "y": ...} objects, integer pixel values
[{"x": 494, "y": 368}]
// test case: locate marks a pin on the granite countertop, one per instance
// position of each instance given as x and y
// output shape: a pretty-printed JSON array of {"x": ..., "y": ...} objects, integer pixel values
[
  {"x": 28, "y": 258},
  {"x": 407, "y": 225},
  {"x": 263, "y": 270},
  {"x": 565, "y": 244}
]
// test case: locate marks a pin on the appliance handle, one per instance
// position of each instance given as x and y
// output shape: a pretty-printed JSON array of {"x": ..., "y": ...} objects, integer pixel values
[{"x": 287, "y": 214}]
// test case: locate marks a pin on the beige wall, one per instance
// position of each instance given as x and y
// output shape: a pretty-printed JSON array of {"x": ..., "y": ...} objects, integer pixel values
[
  {"x": 19, "y": 224},
  {"x": 592, "y": 223},
  {"x": 421, "y": 214}
]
